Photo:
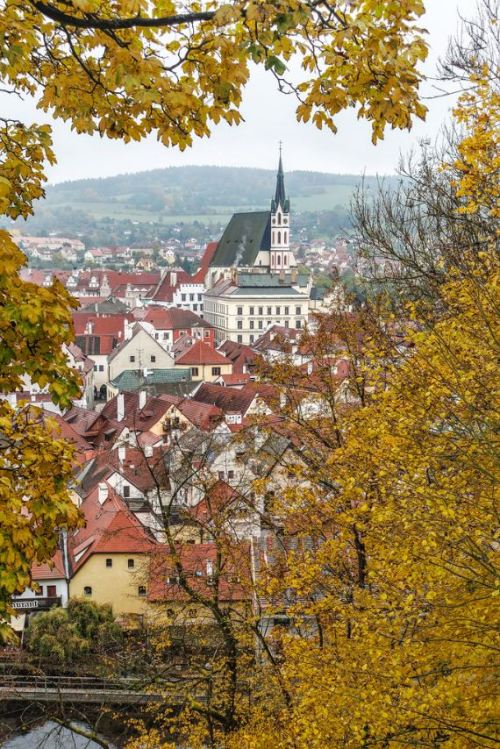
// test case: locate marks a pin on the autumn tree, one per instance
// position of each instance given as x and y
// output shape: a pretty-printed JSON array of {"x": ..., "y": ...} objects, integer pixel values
[{"x": 394, "y": 565}]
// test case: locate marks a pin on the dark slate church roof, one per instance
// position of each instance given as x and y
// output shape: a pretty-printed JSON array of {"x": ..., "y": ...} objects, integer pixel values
[{"x": 244, "y": 236}]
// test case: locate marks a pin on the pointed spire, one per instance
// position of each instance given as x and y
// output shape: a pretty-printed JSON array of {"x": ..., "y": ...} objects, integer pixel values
[{"x": 280, "y": 195}]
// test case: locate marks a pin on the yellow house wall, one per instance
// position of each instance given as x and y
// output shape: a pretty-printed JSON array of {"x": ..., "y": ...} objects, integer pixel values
[{"x": 116, "y": 585}]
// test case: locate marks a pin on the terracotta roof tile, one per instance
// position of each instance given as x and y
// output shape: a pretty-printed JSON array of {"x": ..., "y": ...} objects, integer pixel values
[
  {"x": 110, "y": 528},
  {"x": 201, "y": 353}
]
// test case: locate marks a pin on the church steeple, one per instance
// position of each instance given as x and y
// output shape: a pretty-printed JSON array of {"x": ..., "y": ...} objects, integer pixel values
[
  {"x": 280, "y": 195},
  {"x": 280, "y": 257}
]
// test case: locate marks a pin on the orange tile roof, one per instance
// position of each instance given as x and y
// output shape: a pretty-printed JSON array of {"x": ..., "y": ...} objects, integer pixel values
[
  {"x": 202, "y": 353},
  {"x": 110, "y": 528}
]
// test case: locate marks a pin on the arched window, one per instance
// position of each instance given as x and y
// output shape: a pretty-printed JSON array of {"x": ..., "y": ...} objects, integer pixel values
[
  {"x": 272, "y": 259},
  {"x": 284, "y": 259},
  {"x": 279, "y": 260},
  {"x": 284, "y": 237},
  {"x": 274, "y": 237},
  {"x": 279, "y": 218},
  {"x": 279, "y": 237}
]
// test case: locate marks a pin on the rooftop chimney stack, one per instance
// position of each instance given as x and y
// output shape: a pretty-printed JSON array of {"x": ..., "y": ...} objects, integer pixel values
[
  {"x": 121, "y": 454},
  {"x": 142, "y": 398},
  {"x": 120, "y": 407}
]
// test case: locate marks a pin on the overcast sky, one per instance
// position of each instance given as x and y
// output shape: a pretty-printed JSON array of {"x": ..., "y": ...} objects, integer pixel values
[{"x": 269, "y": 117}]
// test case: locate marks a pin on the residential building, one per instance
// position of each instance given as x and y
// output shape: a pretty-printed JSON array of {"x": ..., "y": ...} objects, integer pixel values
[
  {"x": 109, "y": 557},
  {"x": 205, "y": 362},
  {"x": 140, "y": 352}
]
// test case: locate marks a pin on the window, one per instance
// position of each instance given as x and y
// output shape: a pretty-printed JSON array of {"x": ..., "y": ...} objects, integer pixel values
[
  {"x": 298, "y": 310},
  {"x": 261, "y": 310},
  {"x": 191, "y": 297},
  {"x": 252, "y": 338},
  {"x": 279, "y": 242},
  {"x": 109, "y": 562},
  {"x": 195, "y": 307},
  {"x": 200, "y": 297},
  {"x": 221, "y": 475},
  {"x": 216, "y": 370},
  {"x": 252, "y": 311},
  {"x": 130, "y": 564},
  {"x": 261, "y": 323},
  {"x": 183, "y": 297},
  {"x": 230, "y": 474},
  {"x": 287, "y": 310},
  {"x": 239, "y": 311},
  {"x": 194, "y": 371},
  {"x": 172, "y": 581},
  {"x": 153, "y": 359},
  {"x": 251, "y": 324},
  {"x": 284, "y": 259},
  {"x": 278, "y": 260},
  {"x": 126, "y": 491},
  {"x": 239, "y": 339},
  {"x": 39, "y": 592},
  {"x": 156, "y": 336},
  {"x": 278, "y": 310},
  {"x": 298, "y": 324},
  {"x": 132, "y": 358},
  {"x": 269, "y": 310},
  {"x": 51, "y": 591},
  {"x": 101, "y": 367},
  {"x": 240, "y": 325},
  {"x": 165, "y": 336},
  {"x": 287, "y": 323},
  {"x": 87, "y": 591},
  {"x": 141, "y": 590},
  {"x": 207, "y": 334}
]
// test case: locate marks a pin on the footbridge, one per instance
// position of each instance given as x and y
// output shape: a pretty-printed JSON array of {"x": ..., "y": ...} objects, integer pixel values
[{"x": 66, "y": 689}]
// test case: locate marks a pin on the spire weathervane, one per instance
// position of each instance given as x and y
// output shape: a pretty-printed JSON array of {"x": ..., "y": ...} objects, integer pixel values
[{"x": 280, "y": 196}]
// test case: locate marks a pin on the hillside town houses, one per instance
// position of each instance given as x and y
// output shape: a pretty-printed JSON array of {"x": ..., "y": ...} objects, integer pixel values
[{"x": 171, "y": 411}]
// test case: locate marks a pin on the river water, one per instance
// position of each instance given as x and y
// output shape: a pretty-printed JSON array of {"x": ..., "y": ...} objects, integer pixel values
[{"x": 51, "y": 736}]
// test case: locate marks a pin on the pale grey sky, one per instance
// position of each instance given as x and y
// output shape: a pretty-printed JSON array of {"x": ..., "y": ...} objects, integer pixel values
[{"x": 269, "y": 117}]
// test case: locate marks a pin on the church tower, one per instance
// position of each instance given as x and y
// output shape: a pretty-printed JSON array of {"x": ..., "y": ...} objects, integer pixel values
[{"x": 280, "y": 256}]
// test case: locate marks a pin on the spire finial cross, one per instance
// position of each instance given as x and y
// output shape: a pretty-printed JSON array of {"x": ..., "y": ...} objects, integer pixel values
[{"x": 280, "y": 145}]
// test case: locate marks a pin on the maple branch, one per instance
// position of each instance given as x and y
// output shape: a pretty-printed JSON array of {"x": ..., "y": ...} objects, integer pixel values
[{"x": 110, "y": 24}]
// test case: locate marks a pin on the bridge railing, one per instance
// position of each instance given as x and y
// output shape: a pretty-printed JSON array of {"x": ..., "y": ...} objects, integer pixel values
[{"x": 80, "y": 683}]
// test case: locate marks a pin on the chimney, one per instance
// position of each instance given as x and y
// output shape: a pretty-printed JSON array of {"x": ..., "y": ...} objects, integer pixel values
[
  {"x": 102, "y": 492},
  {"x": 120, "y": 407},
  {"x": 121, "y": 454},
  {"x": 142, "y": 398},
  {"x": 234, "y": 276},
  {"x": 173, "y": 278},
  {"x": 210, "y": 568},
  {"x": 309, "y": 367},
  {"x": 127, "y": 330},
  {"x": 294, "y": 275},
  {"x": 282, "y": 277},
  {"x": 148, "y": 451},
  {"x": 89, "y": 329}
]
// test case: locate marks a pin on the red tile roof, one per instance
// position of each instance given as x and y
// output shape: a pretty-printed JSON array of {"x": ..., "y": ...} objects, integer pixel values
[
  {"x": 166, "y": 287},
  {"x": 199, "y": 562},
  {"x": 53, "y": 570},
  {"x": 235, "y": 379},
  {"x": 87, "y": 323},
  {"x": 237, "y": 400},
  {"x": 110, "y": 528},
  {"x": 172, "y": 318},
  {"x": 201, "y": 353},
  {"x": 202, "y": 415},
  {"x": 200, "y": 274}
]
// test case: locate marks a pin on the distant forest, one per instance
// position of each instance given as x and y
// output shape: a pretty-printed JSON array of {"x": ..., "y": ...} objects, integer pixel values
[{"x": 194, "y": 200}]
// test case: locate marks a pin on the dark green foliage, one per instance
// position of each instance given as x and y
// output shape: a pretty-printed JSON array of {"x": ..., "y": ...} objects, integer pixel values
[{"x": 68, "y": 635}]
